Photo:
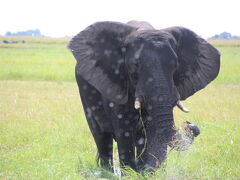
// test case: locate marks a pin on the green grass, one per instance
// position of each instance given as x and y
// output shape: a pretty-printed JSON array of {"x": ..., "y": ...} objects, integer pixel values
[
  {"x": 42, "y": 130},
  {"x": 44, "y": 134},
  {"x": 36, "y": 59}
]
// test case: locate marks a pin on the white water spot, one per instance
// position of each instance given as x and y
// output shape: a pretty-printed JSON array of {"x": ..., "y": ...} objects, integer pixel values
[
  {"x": 123, "y": 49},
  {"x": 150, "y": 79},
  {"x": 102, "y": 40},
  {"x": 154, "y": 98},
  {"x": 120, "y": 61},
  {"x": 149, "y": 107},
  {"x": 84, "y": 87},
  {"x": 126, "y": 134},
  {"x": 116, "y": 71},
  {"x": 88, "y": 112},
  {"x": 149, "y": 118},
  {"x": 122, "y": 156},
  {"x": 88, "y": 52},
  {"x": 94, "y": 91},
  {"x": 119, "y": 96},
  {"x": 111, "y": 104},
  {"x": 127, "y": 122},
  {"x": 136, "y": 55},
  {"x": 138, "y": 52},
  {"x": 109, "y": 91},
  {"x": 120, "y": 116},
  {"x": 160, "y": 99},
  {"x": 108, "y": 52},
  {"x": 93, "y": 108},
  {"x": 140, "y": 141}
]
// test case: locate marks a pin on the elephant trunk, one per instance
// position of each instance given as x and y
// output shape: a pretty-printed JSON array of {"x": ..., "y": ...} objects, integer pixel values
[
  {"x": 157, "y": 97},
  {"x": 160, "y": 131}
]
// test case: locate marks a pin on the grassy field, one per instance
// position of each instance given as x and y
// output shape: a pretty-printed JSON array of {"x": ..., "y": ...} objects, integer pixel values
[{"x": 44, "y": 134}]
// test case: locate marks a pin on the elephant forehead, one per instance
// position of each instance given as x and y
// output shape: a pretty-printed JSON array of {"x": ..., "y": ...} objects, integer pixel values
[
  {"x": 152, "y": 37},
  {"x": 141, "y": 25}
]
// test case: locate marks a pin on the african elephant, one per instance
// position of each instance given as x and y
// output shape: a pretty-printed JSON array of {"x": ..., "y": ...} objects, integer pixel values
[{"x": 130, "y": 77}]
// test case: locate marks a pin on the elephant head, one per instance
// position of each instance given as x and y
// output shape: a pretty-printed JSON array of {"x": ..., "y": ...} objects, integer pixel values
[{"x": 157, "y": 68}]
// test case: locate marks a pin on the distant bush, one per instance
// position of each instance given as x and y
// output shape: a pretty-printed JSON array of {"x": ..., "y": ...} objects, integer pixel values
[
  {"x": 224, "y": 35},
  {"x": 35, "y": 32}
]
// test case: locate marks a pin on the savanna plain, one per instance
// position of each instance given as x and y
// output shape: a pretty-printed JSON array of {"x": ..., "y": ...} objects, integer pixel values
[{"x": 44, "y": 134}]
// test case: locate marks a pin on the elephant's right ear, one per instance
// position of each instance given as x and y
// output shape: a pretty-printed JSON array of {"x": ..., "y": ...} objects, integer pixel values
[{"x": 100, "y": 58}]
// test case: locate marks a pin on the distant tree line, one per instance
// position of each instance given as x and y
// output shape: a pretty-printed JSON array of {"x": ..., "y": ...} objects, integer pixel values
[
  {"x": 224, "y": 35},
  {"x": 35, "y": 32}
]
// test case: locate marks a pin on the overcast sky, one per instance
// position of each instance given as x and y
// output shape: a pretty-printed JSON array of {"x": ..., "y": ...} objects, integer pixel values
[{"x": 59, "y": 18}]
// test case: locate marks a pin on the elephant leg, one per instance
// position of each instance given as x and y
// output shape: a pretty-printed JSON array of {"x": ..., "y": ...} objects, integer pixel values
[
  {"x": 126, "y": 149},
  {"x": 103, "y": 139},
  {"x": 126, "y": 137},
  {"x": 104, "y": 142},
  {"x": 98, "y": 122}
]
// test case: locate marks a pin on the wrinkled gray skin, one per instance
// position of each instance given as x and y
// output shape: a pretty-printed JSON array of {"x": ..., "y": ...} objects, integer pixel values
[{"x": 118, "y": 63}]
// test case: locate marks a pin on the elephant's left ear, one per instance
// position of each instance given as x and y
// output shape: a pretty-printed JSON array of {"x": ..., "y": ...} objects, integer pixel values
[{"x": 199, "y": 62}]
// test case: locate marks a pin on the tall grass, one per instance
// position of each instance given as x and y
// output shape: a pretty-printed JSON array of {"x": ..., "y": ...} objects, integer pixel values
[{"x": 44, "y": 134}]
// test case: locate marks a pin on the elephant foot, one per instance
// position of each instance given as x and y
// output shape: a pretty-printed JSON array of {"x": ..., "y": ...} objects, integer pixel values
[{"x": 184, "y": 137}]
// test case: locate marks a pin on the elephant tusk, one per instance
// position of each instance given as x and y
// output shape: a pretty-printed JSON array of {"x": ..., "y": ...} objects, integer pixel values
[
  {"x": 182, "y": 107},
  {"x": 137, "y": 104}
]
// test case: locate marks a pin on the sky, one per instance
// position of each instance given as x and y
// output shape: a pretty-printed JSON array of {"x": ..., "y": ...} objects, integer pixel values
[{"x": 59, "y": 18}]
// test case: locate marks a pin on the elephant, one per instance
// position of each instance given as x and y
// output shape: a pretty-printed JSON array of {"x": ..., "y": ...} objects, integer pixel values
[{"x": 130, "y": 77}]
